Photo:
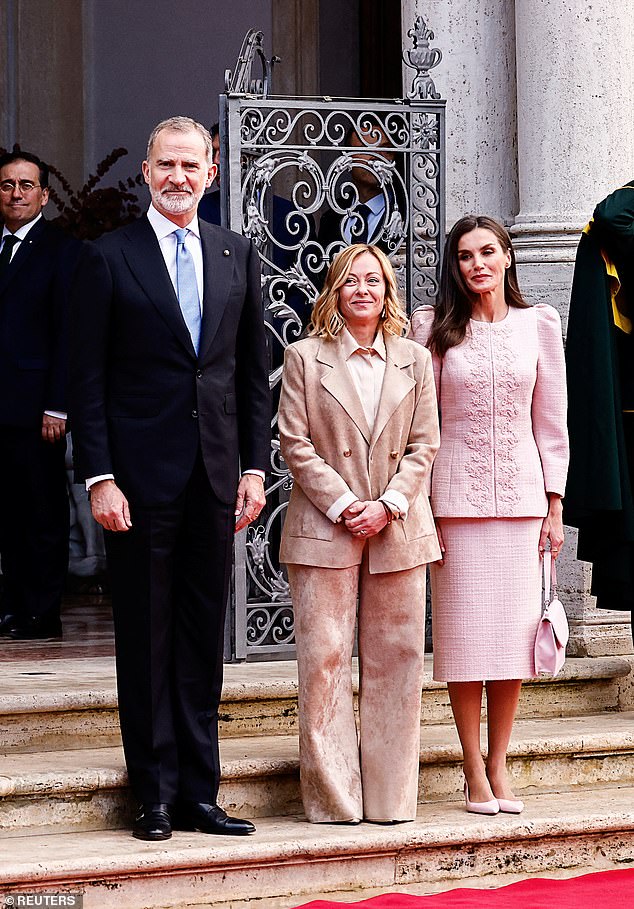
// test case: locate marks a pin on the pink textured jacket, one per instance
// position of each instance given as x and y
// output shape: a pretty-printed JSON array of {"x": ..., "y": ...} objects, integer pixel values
[{"x": 502, "y": 398}]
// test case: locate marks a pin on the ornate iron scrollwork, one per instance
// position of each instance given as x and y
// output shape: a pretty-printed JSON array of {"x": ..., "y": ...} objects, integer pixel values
[{"x": 240, "y": 81}]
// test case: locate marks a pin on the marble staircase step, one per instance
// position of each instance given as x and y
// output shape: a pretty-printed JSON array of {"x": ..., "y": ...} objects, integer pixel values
[
  {"x": 289, "y": 860},
  {"x": 86, "y": 789},
  {"x": 69, "y": 703}
]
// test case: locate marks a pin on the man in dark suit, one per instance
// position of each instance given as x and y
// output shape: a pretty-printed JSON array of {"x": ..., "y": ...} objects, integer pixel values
[
  {"x": 36, "y": 261},
  {"x": 370, "y": 220},
  {"x": 169, "y": 392}
]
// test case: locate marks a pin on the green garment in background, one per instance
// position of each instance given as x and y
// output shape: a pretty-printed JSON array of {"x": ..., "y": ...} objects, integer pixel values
[{"x": 600, "y": 371}]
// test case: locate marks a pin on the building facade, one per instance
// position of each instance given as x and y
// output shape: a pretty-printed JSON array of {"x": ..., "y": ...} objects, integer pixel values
[{"x": 540, "y": 113}]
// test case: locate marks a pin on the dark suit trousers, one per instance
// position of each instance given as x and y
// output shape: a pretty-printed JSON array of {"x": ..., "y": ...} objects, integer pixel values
[
  {"x": 34, "y": 522},
  {"x": 170, "y": 582}
]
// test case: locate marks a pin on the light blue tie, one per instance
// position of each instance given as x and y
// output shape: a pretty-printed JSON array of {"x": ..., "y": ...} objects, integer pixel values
[{"x": 187, "y": 287}]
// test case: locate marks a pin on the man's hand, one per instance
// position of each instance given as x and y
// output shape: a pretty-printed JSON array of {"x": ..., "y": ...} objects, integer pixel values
[
  {"x": 250, "y": 500},
  {"x": 109, "y": 506},
  {"x": 53, "y": 428}
]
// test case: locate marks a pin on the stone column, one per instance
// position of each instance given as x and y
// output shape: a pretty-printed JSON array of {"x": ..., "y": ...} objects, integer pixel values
[
  {"x": 295, "y": 40},
  {"x": 575, "y": 98},
  {"x": 7, "y": 74},
  {"x": 477, "y": 78},
  {"x": 47, "y": 82},
  {"x": 575, "y": 137}
]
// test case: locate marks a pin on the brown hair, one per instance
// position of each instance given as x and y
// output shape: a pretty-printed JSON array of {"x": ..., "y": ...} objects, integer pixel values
[
  {"x": 453, "y": 309},
  {"x": 326, "y": 319}
]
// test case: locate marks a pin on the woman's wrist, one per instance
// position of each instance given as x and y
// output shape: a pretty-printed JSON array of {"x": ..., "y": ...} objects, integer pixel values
[{"x": 389, "y": 514}]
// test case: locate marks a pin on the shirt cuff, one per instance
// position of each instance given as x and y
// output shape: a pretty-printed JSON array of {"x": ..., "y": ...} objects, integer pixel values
[
  {"x": 56, "y": 413},
  {"x": 397, "y": 499},
  {"x": 334, "y": 512},
  {"x": 92, "y": 480},
  {"x": 255, "y": 472}
]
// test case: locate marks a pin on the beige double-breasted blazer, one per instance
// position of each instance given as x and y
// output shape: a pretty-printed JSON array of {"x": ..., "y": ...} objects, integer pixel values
[{"x": 327, "y": 444}]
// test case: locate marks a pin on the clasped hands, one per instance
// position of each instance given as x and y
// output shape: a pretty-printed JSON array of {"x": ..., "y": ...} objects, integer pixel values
[{"x": 364, "y": 519}]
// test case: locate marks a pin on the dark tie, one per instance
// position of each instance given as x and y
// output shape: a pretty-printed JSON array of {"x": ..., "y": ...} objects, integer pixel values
[
  {"x": 7, "y": 248},
  {"x": 360, "y": 232}
]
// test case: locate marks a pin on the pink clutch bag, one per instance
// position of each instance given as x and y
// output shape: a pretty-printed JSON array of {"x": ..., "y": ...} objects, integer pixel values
[{"x": 552, "y": 631}]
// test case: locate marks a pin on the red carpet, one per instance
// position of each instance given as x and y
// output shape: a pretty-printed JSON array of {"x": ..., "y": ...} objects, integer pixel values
[{"x": 603, "y": 890}]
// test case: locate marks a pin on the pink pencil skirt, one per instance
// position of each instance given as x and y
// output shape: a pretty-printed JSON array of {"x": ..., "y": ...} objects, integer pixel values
[{"x": 486, "y": 599}]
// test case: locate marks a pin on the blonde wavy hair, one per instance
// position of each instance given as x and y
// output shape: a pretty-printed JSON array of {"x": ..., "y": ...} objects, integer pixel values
[{"x": 326, "y": 319}]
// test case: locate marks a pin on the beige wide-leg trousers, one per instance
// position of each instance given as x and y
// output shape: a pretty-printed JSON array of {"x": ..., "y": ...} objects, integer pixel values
[{"x": 345, "y": 777}]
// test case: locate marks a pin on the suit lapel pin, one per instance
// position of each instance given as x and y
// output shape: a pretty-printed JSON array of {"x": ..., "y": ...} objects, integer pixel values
[{"x": 226, "y": 252}]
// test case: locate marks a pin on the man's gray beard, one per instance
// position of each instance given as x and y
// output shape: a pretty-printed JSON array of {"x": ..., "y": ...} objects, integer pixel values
[{"x": 175, "y": 204}]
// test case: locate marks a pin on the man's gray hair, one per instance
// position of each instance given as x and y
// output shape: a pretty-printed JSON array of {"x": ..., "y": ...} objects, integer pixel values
[{"x": 182, "y": 125}]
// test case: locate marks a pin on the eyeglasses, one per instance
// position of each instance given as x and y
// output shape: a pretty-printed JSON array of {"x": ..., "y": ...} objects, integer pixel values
[{"x": 26, "y": 186}]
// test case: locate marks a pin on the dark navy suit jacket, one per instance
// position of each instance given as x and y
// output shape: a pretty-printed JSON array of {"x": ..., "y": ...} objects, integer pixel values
[
  {"x": 142, "y": 403},
  {"x": 33, "y": 326}
]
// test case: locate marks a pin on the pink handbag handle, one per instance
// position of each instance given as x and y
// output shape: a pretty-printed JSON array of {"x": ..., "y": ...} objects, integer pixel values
[{"x": 550, "y": 572}]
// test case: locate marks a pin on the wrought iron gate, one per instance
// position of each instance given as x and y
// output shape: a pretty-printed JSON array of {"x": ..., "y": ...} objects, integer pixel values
[{"x": 284, "y": 162}]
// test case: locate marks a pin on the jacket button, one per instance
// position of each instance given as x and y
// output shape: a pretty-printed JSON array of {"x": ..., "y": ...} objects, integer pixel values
[
  {"x": 195, "y": 414},
  {"x": 347, "y": 453},
  {"x": 394, "y": 455},
  {"x": 199, "y": 373}
]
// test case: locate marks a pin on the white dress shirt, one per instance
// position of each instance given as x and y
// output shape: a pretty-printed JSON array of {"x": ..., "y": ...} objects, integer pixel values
[
  {"x": 377, "y": 212},
  {"x": 366, "y": 366},
  {"x": 165, "y": 234},
  {"x": 20, "y": 233}
]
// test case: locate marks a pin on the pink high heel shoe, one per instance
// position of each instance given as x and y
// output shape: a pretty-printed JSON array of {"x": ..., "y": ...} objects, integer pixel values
[
  {"x": 511, "y": 806},
  {"x": 490, "y": 807}
]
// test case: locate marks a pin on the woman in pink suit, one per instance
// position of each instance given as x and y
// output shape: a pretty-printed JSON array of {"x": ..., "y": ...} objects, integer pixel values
[
  {"x": 497, "y": 485},
  {"x": 359, "y": 429}
]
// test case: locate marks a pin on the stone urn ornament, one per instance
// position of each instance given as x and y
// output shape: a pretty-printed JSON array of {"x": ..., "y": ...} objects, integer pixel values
[{"x": 422, "y": 58}]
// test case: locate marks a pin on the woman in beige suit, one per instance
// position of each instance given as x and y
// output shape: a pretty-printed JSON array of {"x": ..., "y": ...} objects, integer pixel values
[{"x": 359, "y": 430}]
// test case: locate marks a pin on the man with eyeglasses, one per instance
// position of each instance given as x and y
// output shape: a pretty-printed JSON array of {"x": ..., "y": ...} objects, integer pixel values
[{"x": 36, "y": 264}]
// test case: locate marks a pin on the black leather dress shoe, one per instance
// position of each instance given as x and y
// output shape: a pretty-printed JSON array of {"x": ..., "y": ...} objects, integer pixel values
[
  {"x": 153, "y": 822},
  {"x": 209, "y": 819},
  {"x": 37, "y": 628},
  {"x": 8, "y": 623}
]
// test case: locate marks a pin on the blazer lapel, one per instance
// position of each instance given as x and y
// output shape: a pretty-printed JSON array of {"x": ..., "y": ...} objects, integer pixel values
[
  {"x": 218, "y": 273},
  {"x": 397, "y": 383},
  {"x": 22, "y": 253},
  {"x": 338, "y": 382},
  {"x": 146, "y": 262}
]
